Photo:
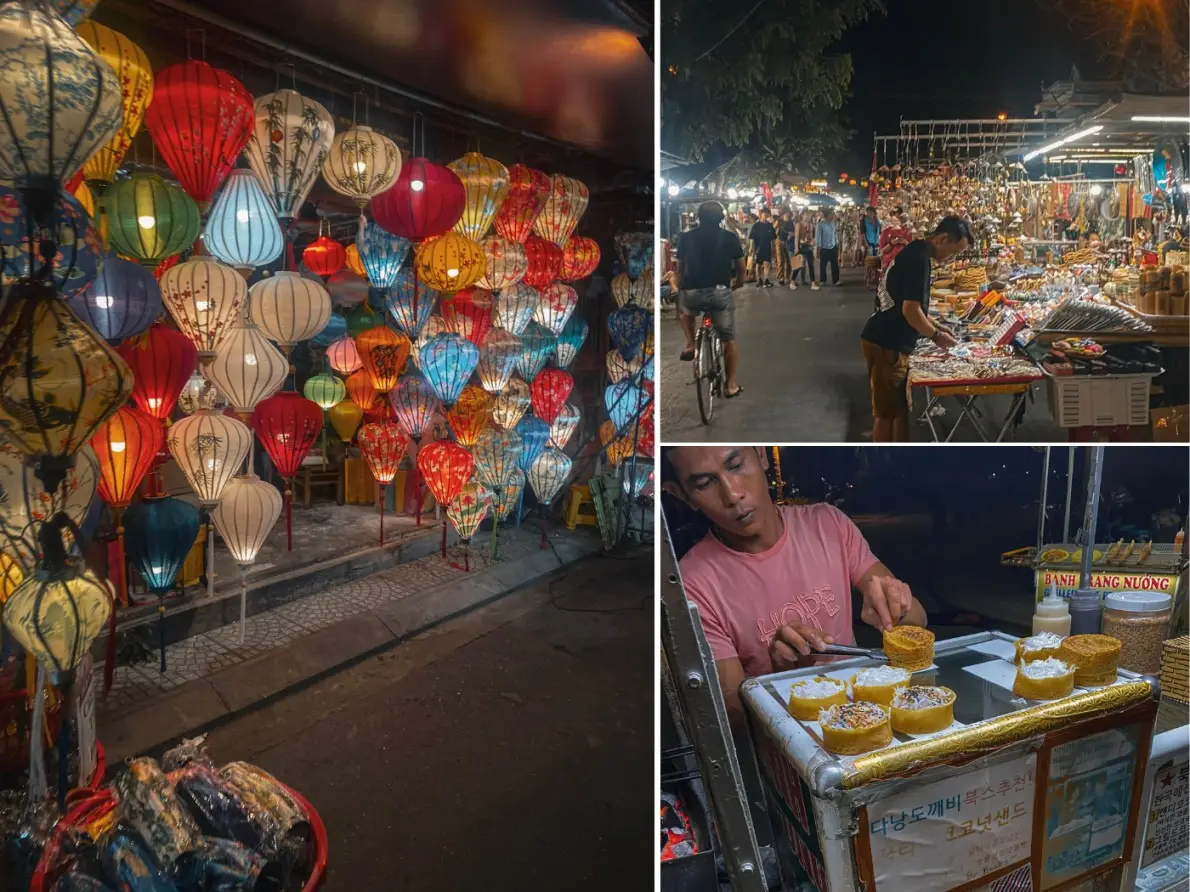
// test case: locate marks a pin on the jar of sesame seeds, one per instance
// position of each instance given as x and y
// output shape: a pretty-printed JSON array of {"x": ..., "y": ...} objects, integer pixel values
[{"x": 1140, "y": 622}]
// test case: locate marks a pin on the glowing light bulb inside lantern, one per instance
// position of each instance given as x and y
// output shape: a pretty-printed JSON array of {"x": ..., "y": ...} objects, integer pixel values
[
  {"x": 154, "y": 402},
  {"x": 242, "y": 215},
  {"x": 417, "y": 185},
  {"x": 249, "y": 359},
  {"x": 104, "y": 301},
  {"x": 212, "y": 464},
  {"x": 201, "y": 305},
  {"x": 118, "y": 446},
  {"x": 361, "y": 166},
  {"x": 452, "y": 272},
  {"x": 156, "y": 569},
  {"x": 146, "y": 221}
]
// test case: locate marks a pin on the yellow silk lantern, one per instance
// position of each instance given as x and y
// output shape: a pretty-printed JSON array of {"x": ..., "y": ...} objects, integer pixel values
[
  {"x": 450, "y": 262},
  {"x": 485, "y": 182},
  {"x": 135, "y": 74},
  {"x": 11, "y": 576},
  {"x": 345, "y": 417},
  {"x": 470, "y": 414},
  {"x": 86, "y": 199},
  {"x": 567, "y": 202},
  {"x": 353, "y": 261}
]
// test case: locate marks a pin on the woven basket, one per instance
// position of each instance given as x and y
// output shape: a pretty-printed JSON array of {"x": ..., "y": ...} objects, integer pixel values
[{"x": 1175, "y": 669}]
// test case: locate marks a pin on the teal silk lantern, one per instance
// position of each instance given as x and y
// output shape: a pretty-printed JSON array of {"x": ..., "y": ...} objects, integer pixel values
[
  {"x": 537, "y": 346},
  {"x": 411, "y": 303},
  {"x": 447, "y": 361},
  {"x": 382, "y": 254},
  {"x": 534, "y": 434},
  {"x": 242, "y": 229},
  {"x": 571, "y": 340}
]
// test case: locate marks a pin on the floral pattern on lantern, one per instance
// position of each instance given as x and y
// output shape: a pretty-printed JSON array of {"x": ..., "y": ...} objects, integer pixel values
[
  {"x": 210, "y": 449},
  {"x": 161, "y": 361},
  {"x": 205, "y": 299},
  {"x": 325, "y": 390},
  {"x": 470, "y": 414},
  {"x": 509, "y": 497},
  {"x": 242, "y": 230},
  {"x": 629, "y": 327},
  {"x": 246, "y": 368},
  {"x": 414, "y": 404},
  {"x": 535, "y": 435},
  {"x": 450, "y": 262},
  {"x": 447, "y": 361},
  {"x": 324, "y": 256},
  {"x": 345, "y": 417},
  {"x": 566, "y": 203},
  {"x": 563, "y": 426},
  {"x": 496, "y": 455},
  {"x": 26, "y": 504},
  {"x": 57, "y": 616},
  {"x": 289, "y": 308},
  {"x": 467, "y": 510},
  {"x": 343, "y": 356},
  {"x": 290, "y": 139},
  {"x": 469, "y": 314},
  {"x": 125, "y": 446},
  {"x": 555, "y": 307},
  {"x": 446, "y": 467},
  {"x": 580, "y": 258},
  {"x": 384, "y": 353},
  {"x": 148, "y": 219},
  {"x": 383, "y": 446},
  {"x": 624, "y": 402},
  {"x": 361, "y": 164},
  {"x": 537, "y": 346},
  {"x": 571, "y": 340},
  {"x": 515, "y": 307},
  {"x": 426, "y": 200},
  {"x": 74, "y": 11},
  {"x": 549, "y": 391},
  {"x": 636, "y": 251},
  {"x": 135, "y": 75},
  {"x": 485, "y": 183},
  {"x": 527, "y": 192},
  {"x": 506, "y": 263},
  {"x": 77, "y": 258},
  {"x": 544, "y": 262},
  {"x": 360, "y": 389},
  {"x": 548, "y": 474},
  {"x": 381, "y": 255},
  {"x": 401, "y": 299},
  {"x": 497, "y": 359},
  {"x": 512, "y": 403}
]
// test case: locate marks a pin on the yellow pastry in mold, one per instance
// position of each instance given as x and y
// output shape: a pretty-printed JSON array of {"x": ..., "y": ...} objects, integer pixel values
[
  {"x": 808, "y": 698},
  {"x": 1048, "y": 679},
  {"x": 922, "y": 710},
  {"x": 878, "y": 684},
  {"x": 909, "y": 647},
  {"x": 850, "y": 729}
]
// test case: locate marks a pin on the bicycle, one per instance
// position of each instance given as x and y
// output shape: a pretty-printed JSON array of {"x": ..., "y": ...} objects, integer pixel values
[{"x": 710, "y": 372}]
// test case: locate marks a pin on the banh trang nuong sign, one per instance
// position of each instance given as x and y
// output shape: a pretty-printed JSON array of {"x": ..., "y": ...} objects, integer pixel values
[{"x": 1066, "y": 582}]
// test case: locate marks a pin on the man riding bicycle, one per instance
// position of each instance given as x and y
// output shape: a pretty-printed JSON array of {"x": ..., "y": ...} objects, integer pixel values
[{"x": 710, "y": 267}]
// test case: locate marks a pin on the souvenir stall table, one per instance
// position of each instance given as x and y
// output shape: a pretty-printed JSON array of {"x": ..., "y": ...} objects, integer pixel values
[{"x": 969, "y": 374}]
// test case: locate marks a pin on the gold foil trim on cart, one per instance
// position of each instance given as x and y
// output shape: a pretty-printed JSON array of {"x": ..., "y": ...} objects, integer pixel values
[{"x": 998, "y": 732}]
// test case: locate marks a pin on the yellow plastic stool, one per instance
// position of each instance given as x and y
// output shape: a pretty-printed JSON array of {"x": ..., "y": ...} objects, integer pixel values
[{"x": 580, "y": 507}]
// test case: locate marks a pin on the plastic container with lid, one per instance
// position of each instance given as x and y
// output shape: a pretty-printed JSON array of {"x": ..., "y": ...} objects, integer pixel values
[
  {"x": 1052, "y": 615},
  {"x": 1140, "y": 621},
  {"x": 1086, "y": 609}
]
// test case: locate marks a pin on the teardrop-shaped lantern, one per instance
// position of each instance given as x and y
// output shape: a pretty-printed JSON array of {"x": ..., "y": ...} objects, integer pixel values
[
  {"x": 566, "y": 203},
  {"x": 535, "y": 435},
  {"x": 485, "y": 182},
  {"x": 414, "y": 404},
  {"x": 515, "y": 307},
  {"x": 200, "y": 120},
  {"x": 615, "y": 447},
  {"x": 242, "y": 229},
  {"x": 245, "y": 516},
  {"x": 621, "y": 289},
  {"x": 381, "y": 254},
  {"x": 549, "y": 392},
  {"x": 161, "y": 361},
  {"x": 125, "y": 446},
  {"x": 570, "y": 341},
  {"x": 555, "y": 307},
  {"x": 205, "y": 299},
  {"x": 625, "y": 402},
  {"x": 289, "y": 308},
  {"x": 506, "y": 263},
  {"x": 580, "y": 258},
  {"x": 199, "y": 393},
  {"x": 291, "y": 137},
  {"x": 509, "y": 497},
  {"x": 512, "y": 403},
  {"x": 470, "y": 414},
  {"x": 434, "y": 326},
  {"x": 426, "y": 200},
  {"x": 636, "y": 251},
  {"x": 360, "y": 390},
  {"x": 537, "y": 346},
  {"x": 469, "y": 314},
  {"x": 496, "y": 455},
  {"x": 548, "y": 474},
  {"x": 246, "y": 368},
  {"x": 527, "y": 191},
  {"x": 563, "y": 426},
  {"x": 447, "y": 361},
  {"x": 467, "y": 510},
  {"x": 619, "y": 368},
  {"x": 210, "y": 449},
  {"x": 26, "y": 504},
  {"x": 450, "y": 262},
  {"x": 77, "y": 257},
  {"x": 629, "y": 326},
  {"x": 638, "y": 482},
  {"x": 344, "y": 356},
  {"x": 325, "y": 390},
  {"x": 544, "y": 262},
  {"x": 405, "y": 293},
  {"x": 361, "y": 164},
  {"x": 135, "y": 76},
  {"x": 497, "y": 359},
  {"x": 384, "y": 353},
  {"x": 345, "y": 418},
  {"x": 160, "y": 534},
  {"x": 148, "y": 219},
  {"x": 324, "y": 256},
  {"x": 123, "y": 300},
  {"x": 446, "y": 467},
  {"x": 383, "y": 446}
]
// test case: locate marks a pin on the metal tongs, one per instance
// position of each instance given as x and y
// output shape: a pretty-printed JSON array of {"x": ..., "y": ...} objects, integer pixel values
[{"x": 842, "y": 650}]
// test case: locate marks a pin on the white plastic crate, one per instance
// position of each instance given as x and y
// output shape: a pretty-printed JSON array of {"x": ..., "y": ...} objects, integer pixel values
[{"x": 1099, "y": 401}]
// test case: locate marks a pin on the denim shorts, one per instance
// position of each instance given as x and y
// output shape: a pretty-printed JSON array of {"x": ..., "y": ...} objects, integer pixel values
[{"x": 718, "y": 303}]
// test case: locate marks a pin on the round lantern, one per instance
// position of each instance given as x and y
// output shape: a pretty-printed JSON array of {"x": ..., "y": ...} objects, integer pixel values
[
  {"x": 324, "y": 256},
  {"x": 135, "y": 76},
  {"x": 246, "y": 368},
  {"x": 496, "y": 455},
  {"x": 555, "y": 307},
  {"x": 547, "y": 475},
  {"x": 343, "y": 356},
  {"x": 467, "y": 510},
  {"x": 74, "y": 11},
  {"x": 244, "y": 517},
  {"x": 148, "y": 219},
  {"x": 360, "y": 390},
  {"x": 629, "y": 327},
  {"x": 544, "y": 262},
  {"x": 383, "y": 446},
  {"x": 508, "y": 498},
  {"x": 361, "y": 164},
  {"x": 288, "y": 308},
  {"x": 449, "y": 262},
  {"x": 566, "y": 203},
  {"x": 426, "y": 200},
  {"x": 335, "y": 328},
  {"x": 512, "y": 403},
  {"x": 200, "y": 120},
  {"x": 485, "y": 183},
  {"x": 125, "y": 446},
  {"x": 549, "y": 391},
  {"x": 470, "y": 414},
  {"x": 242, "y": 229},
  {"x": 161, "y": 361},
  {"x": 345, "y": 417},
  {"x": 61, "y": 102},
  {"x": 347, "y": 289},
  {"x": 570, "y": 341},
  {"x": 535, "y": 436},
  {"x": 447, "y": 361},
  {"x": 414, "y": 404},
  {"x": 205, "y": 299},
  {"x": 506, "y": 263},
  {"x": 199, "y": 393},
  {"x": 624, "y": 401},
  {"x": 325, "y": 390},
  {"x": 290, "y": 138},
  {"x": 515, "y": 307},
  {"x": 27, "y": 504},
  {"x": 210, "y": 448},
  {"x": 619, "y": 368},
  {"x": 446, "y": 467},
  {"x": 537, "y": 346},
  {"x": 287, "y": 425},
  {"x": 469, "y": 314},
  {"x": 497, "y": 358},
  {"x": 563, "y": 426},
  {"x": 527, "y": 192},
  {"x": 123, "y": 300},
  {"x": 77, "y": 255},
  {"x": 411, "y": 303},
  {"x": 384, "y": 353},
  {"x": 580, "y": 258},
  {"x": 621, "y": 289},
  {"x": 381, "y": 255}
]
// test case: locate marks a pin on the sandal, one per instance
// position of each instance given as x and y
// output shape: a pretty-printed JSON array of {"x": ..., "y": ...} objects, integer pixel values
[
  {"x": 686, "y": 356},
  {"x": 732, "y": 396}
]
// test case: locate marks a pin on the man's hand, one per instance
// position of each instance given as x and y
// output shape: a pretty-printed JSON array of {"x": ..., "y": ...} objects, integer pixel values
[
  {"x": 886, "y": 601},
  {"x": 944, "y": 338},
  {"x": 793, "y": 640}
]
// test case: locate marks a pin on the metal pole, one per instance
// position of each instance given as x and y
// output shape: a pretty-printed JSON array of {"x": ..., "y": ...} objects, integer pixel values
[
  {"x": 1045, "y": 486},
  {"x": 1091, "y": 516},
  {"x": 1069, "y": 495}
]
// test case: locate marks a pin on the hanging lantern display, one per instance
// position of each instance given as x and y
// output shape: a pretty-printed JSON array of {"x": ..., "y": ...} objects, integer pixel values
[
  {"x": 384, "y": 353},
  {"x": 622, "y": 290},
  {"x": 426, "y": 200},
  {"x": 381, "y": 255},
  {"x": 242, "y": 229},
  {"x": 619, "y": 368},
  {"x": 345, "y": 417},
  {"x": 548, "y": 473},
  {"x": 74, "y": 11},
  {"x": 210, "y": 448},
  {"x": 535, "y": 435},
  {"x": 287, "y": 425},
  {"x": 615, "y": 447},
  {"x": 244, "y": 517},
  {"x": 324, "y": 256},
  {"x": 246, "y": 368},
  {"x": 506, "y": 263},
  {"x": 555, "y": 307},
  {"x": 468, "y": 509},
  {"x": 470, "y": 414},
  {"x": 485, "y": 183},
  {"x": 383, "y": 446},
  {"x": 125, "y": 446},
  {"x": 580, "y": 258},
  {"x": 200, "y": 120},
  {"x": 347, "y": 289},
  {"x": 354, "y": 263},
  {"x": 446, "y": 467},
  {"x": 527, "y": 191},
  {"x": 410, "y": 305},
  {"x": 510, "y": 496},
  {"x": 469, "y": 314},
  {"x": 496, "y": 454},
  {"x": 566, "y": 203},
  {"x": 361, "y": 164},
  {"x": 497, "y": 358},
  {"x": 326, "y": 390},
  {"x": 570, "y": 341},
  {"x": 414, "y": 404},
  {"x": 61, "y": 103},
  {"x": 563, "y": 426},
  {"x": 447, "y": 361},
  {"x": 515, "y": 307},
  {"x": 123, "y": 300},
  {"x": 290, "y": 139},
  {"x": 624, "y": 401},
  {"x": 512, "y": 403},
  {"x": 161, "y": 361},
  {"x": 26, "y": 504},
  {"x": 549, "y": 391},
  {"x": 148, "y": 219},
  {"x": 629, "y": 326},
  {"x": 343, "y": 356},
  {"x": 135, "y": 77},
  {"x": 449, "y": 262},
  {"x": 544, "y": 261},
  {"x": 77, "y": 257},
  {"x": 361, "y": 391},
  {"x": 643, "y": 290},
  {"x": 335, "y": 328},
  {"x": 537, "y": 346},
  {"x": 205, "y": 299},
  {"x": 288, "y": 308}
]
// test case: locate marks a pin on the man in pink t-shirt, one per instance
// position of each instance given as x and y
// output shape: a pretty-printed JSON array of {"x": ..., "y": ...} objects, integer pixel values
[{"x": 773, "y": 584}]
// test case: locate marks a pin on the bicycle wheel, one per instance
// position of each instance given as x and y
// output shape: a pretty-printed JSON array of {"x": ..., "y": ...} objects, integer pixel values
[
  {"x": 706, "y": 374},
  {"x": 720, "y": 367}
]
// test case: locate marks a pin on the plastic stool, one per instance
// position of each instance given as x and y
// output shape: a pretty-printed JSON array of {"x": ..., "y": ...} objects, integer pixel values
[{"x": 580, "y": 507}]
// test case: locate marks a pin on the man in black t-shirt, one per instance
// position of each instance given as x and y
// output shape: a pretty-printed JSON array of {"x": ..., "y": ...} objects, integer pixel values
[
  {"x": 901, "y": 317},
  {"x": 710, "y": 267},
  {"x": 763, "y": 235}
]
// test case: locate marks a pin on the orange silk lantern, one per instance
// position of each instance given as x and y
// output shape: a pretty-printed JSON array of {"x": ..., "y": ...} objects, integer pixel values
[
  {"x": 548, "y": 393},
  {"x": 485, "y": 181},
  {"x": 161, "y": 361},
  {"x": 580, "y": 258},
  {"x": 383, "y": 353},
  {"x": 383, "y": 446},
  {"x": 470, "y": 414},
  {"x": 469, "y": 314},
  {"x": 565, "y": 204},
  {"x": 544, "y": 262},
  {"x": 450, "y": 262},
  {"x": 361, "y": 391},
  {"x": 527, "y": 191},
  {"x": 324, "y": 256},
  {"x": 345, "y": 417},
  {"x": 354, "y": 262},
  {"x": 446, "y": 466}
]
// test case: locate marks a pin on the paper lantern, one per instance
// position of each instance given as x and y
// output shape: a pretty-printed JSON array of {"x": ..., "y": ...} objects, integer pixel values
[
  {"x": 414, "y": 404},
  {"x": 496, "y": 455},
  {"x": 544, "y": 261},
  {"x": 242, "y": 229},
  {"x": 325, "y": 390},
  {"x": 643, "y": 291},
  {"x": 383, "y": 353},
  {"x": 59, "y": 103},
  {"x": 161, "y": 361},
  {"x": 343, "y": 356},
  {"x": 324, "y": 256},
  {"x": 74, "y": 11},
  {"x": 125, "y": 446},
  {"x": 469, "y": 314},
  {"x": 535, "y": 435},
  {"x": 354, "y": 263},
  {"x": 347, "y": 289},
  {"x": 638, "y": 480},
  {"x": 77, "y": 255},
  {"x": 485, "y": 183},
  {"x": 200, "y": 120},
  {"x": 624, "y": 401},
  {"x": 512, "y": 403},
  {"x": 629, "y": 327},
  {"x": 549, "y": 391},
  {"x": 160, "y": 533},
  {"x": 506, "y": 263},
  {"x": 205, "y": 299},
  {"x": 361, "y": 391},
  {"x": 291, "y": 136},
  {"x": 447, "y": 361},
  {"x": 288, "y": 308},
  {"x": 566, "y": 203},
  {"x": 497, "y": 358},
  {"x": 555, "y": 306},
  {"x": 580, "y": 258},
  {"x": 527, "y": 191},
  {"x": 123, "y": 300},
  {"x": 619, "y": 368},
  {"x": 381, "y": 255},
  {"x": 537, "y": 346},
  {"x": 548, "y": 473},
  {"x": 345, "y": 417},
  {"x": 210, "y": 449},
  {"x": 244, "y": 517},
  {"x": 446, "y": 467},
  {"x": 515, "y": 306},
  {"x": 468, "y": 509},
  {"x": 246, "y": 368},
  {"x": 148, "y": 219},
  {"x": 135, "y": 76},
  {"x": 361, "y": 164},
  {"x": 335, "y": 328},
  {"x": 470, "y": 414},
  {"x": 406, "y": 292},
  {"x": 509, "y": 497},
  {"x": 449, "y": 262},
  {"x": 621, "y": 290},
  {"x": 426, "y": 200},
  {"x": 287, "y": 425},
  {"x": 383, "y": 446},
  {"x": 58, "y": 380},
  {"x": 26, "y": 504},
  {"x": 570, "y": 341},
  {"x": 563, "y": 426}
]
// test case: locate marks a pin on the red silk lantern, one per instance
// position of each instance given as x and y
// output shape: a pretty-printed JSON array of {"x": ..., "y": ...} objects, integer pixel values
[
  {"x": 382, "y": 410},
  {"x": 384, "y": 446},
  {"x": 426, "y": 200},
  {"x": 384, "y": 353},
  {"x": 162, "y": 361},
  {"x": 548, "y": 393},
  {"x": 287, "y": 424},
  {"x": 324, "y": 256},
  {"x": 580, "y": 258},
  {"x": 200, "y": 120},
  {"x": 125, "y": 445},
  {"x": 545, "y": 261},
  {"x": 360, "y": 389},
  {"x": 446, "y": 467},
  {"x": 527, "y": 191},
  {"x": 470, "y": 414},
  {"x": 469, "y": 314}
]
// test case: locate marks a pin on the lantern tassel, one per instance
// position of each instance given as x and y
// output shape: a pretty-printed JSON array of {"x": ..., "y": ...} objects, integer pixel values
[
  {"x": 38, "y": 784},
  {"x": 383, "y": 495},
  {"x": 444, "y": 540},
  {"x": 495, "y": 532},
  {"x": 243, "y": 604},
  {"x": 161, "y": 628},
  {"x": 544, "y": 542},
  {"x": 289, "y": 516},
  {"x": 417, "y": 491}
]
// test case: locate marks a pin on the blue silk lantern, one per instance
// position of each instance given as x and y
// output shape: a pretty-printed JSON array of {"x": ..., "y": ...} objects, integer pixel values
[
  {"x": 535, "y": 434},
  {"x": 381, "y": 254},
  {"x": 401, "y": 300},
  {"x": 537, "y": 345},
  {"x": 571, "y": 340},
  {"x": 447, "y": 361},
  {"x": 242, "y": 228},
  {"x": 629, "y": 326},
  {"x": 336, "y": 327},
  {"x": 637, "y": 250},
  {"x": 78, "y": 256},
  {"x": 123, "y": 301},
  {"x": 638, "y": 476},
  {"x": 624, "y": 402}
]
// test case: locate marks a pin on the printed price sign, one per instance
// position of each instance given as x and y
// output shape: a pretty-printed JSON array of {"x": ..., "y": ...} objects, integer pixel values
[
  {"x": 955, "y": 831},
  {"x": 1168, "y": 823}
]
